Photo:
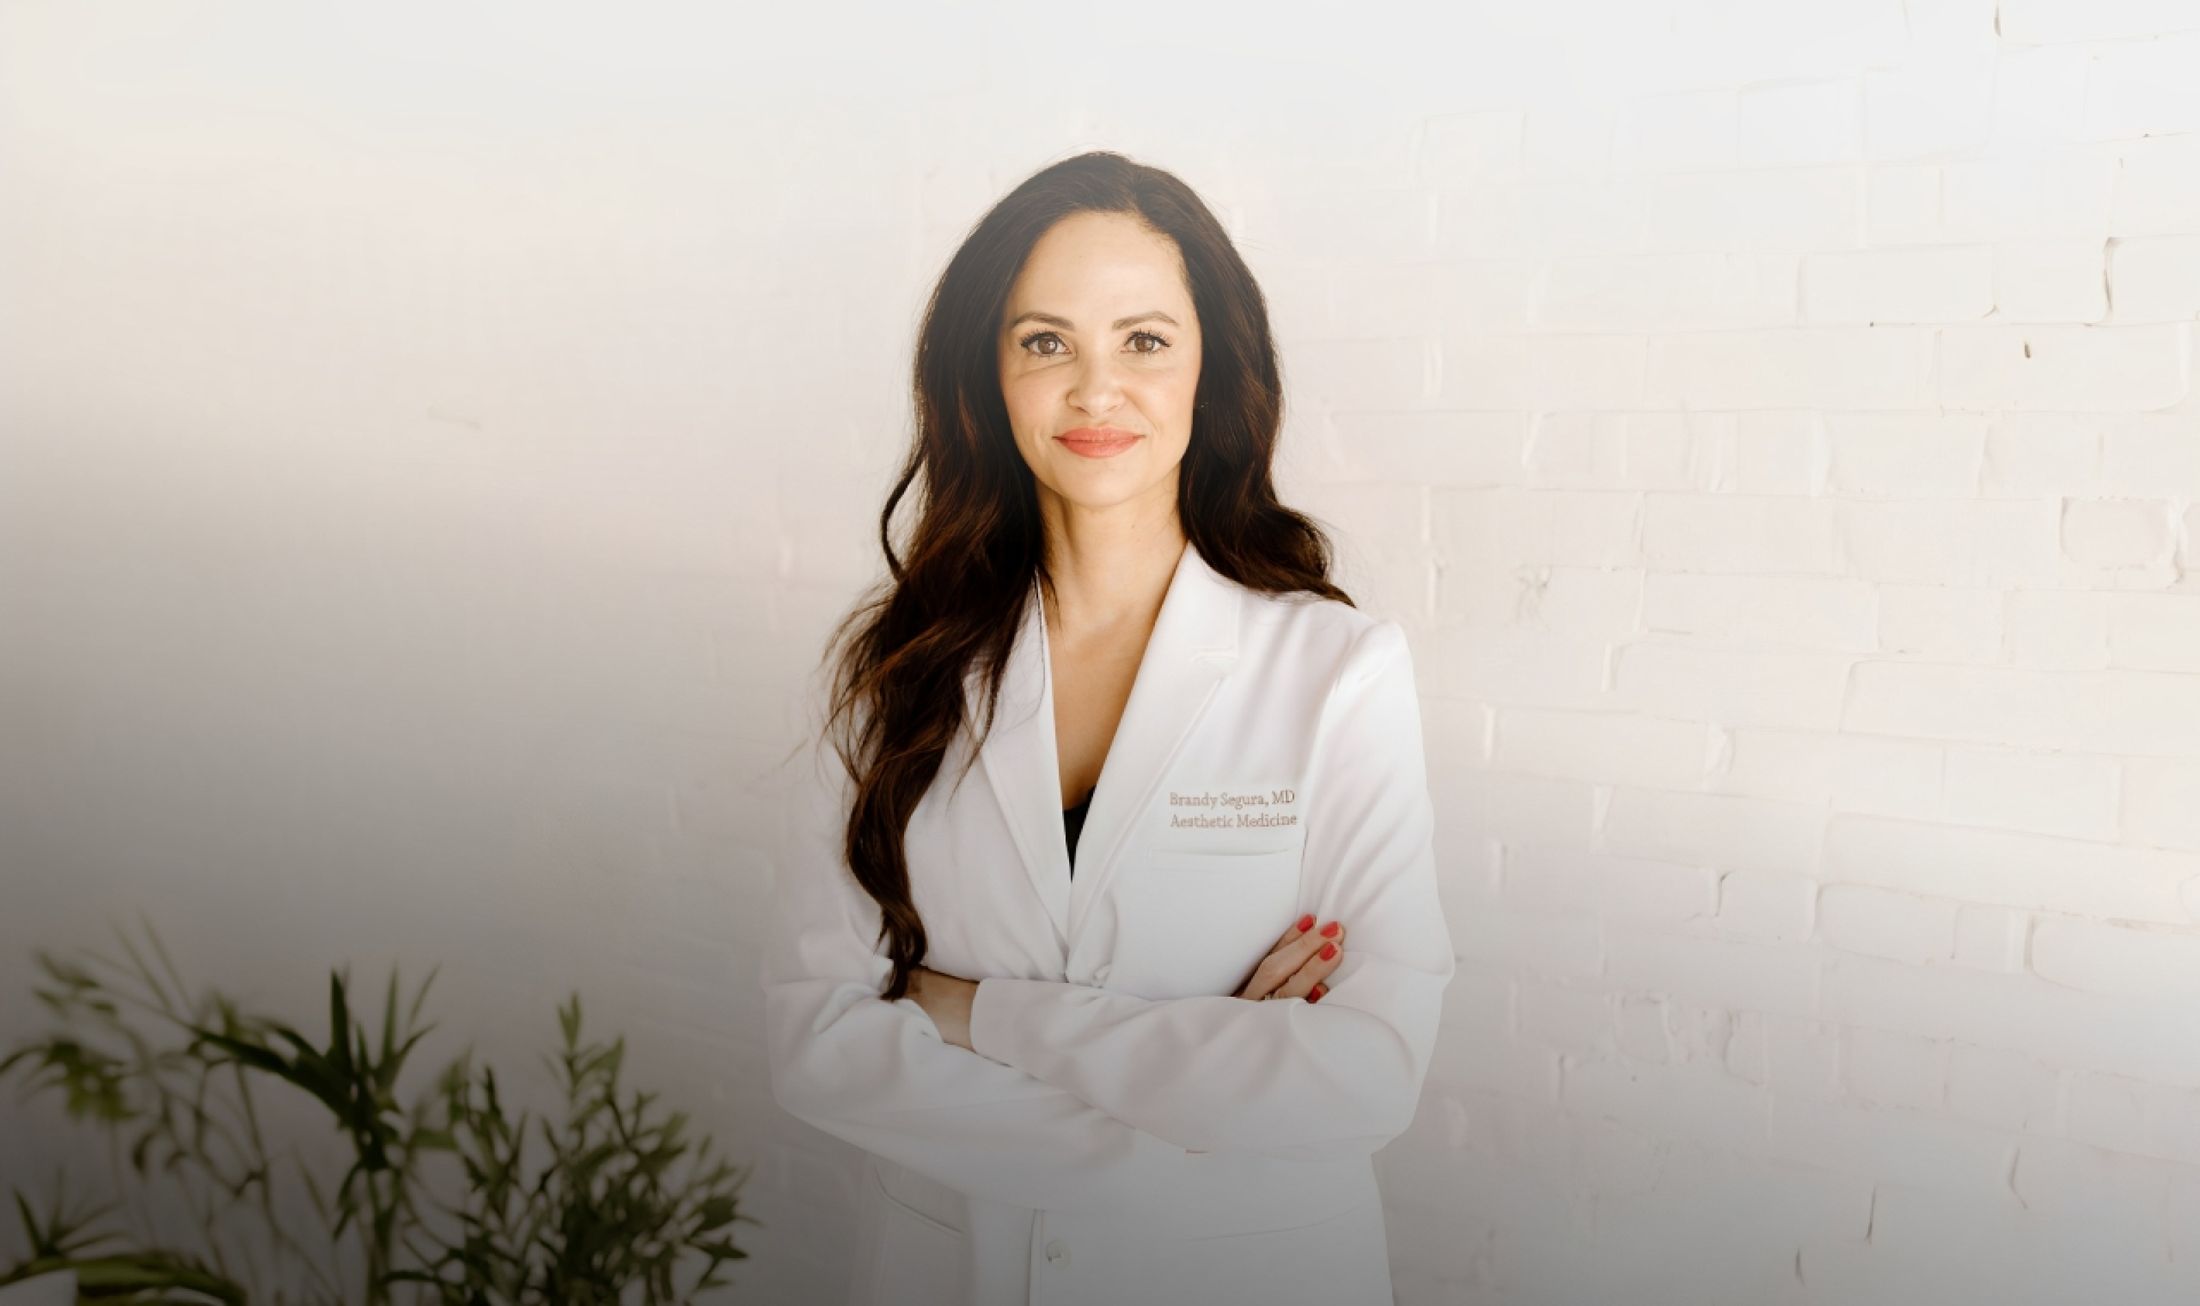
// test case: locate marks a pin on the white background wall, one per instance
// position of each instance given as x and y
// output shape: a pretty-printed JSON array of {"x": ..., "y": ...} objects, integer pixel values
[{"x": 435, "y": 439}]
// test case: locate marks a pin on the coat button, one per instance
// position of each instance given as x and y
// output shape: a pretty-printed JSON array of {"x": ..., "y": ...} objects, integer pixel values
[
  {"x": 1058, "y": 1252},
  {"x": 1100, "y": 974}
]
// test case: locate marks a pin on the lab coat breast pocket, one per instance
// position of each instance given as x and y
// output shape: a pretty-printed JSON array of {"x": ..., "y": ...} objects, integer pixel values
[{"x": 1196, "y": 923}]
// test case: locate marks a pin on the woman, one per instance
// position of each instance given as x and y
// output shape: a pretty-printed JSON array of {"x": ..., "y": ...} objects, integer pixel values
[{"x": 1099, "y": 1026}]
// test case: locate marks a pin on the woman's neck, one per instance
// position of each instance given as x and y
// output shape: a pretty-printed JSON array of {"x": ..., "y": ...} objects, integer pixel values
[{"x": 1109, "y": 568}]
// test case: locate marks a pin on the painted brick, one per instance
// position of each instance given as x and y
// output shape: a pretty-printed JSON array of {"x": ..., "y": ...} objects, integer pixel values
[
  {"x": 1973, "y": 544},
  {"x": 1883, "y": 923},
  {"x": 2046, "y": 793},
  {"x": 1760, "y": 611},
  {"x": 1950, "y": 283},
  {"x": 2150, "y": 455},
  {"x": 2155, "y": 278},
  {"x": 2039, "y": 196},
  {"x": 1905, "y": 456},
  {"x": 1903, "y": 205},
  {"x": 1991, "y": 938},
  {"x": 1468, "y": 149},
  {"x": 2096, "y": 711},
  {"x": 1611, "y": 747},
  {"x": 2008, "y": 868},
  {"x": 1569, "y": 1018},
  {"x": 2144, "y": 1039},
  {"x": 2057, "y": 630},
  {"x": 1767, "y": 906},
  {"x": 1724, "y": 830},
  {"x": 1777, "y": 453},
  {"x": 1580, "y": 528},
  {"x": 1896, "y": 1146},
  {"x": 1732, "y": 973},
  {"x": 2039, "y": 98},
  {"x": 2154, "y": 632},
  {"x": 1639, "y": 1031},
  {"x": 2104, "y": 369},
  {"x": 1568, "y": 138},
  {"x": 2040, "y": 454},
  {"x": 2045, "y": 22},
  {"x": 2115, "y": 532},
  {"x": 1538, "y": 371},
  {"x": 2158, "y": 806},
  {"x": 1692, "y": 1101},
  {"x": 1792, "y": 123},
  {"x": 1426, "y": 448},
  {"x": 1682, "y": 131},
  {"x": 1510, "y": 1068},
  {"x": 2110, "y": 1111},
  {"x": 2145, "y": 88},
  {"x": 1528, "y": 809},
  {"x": 2157, "y": 187},
  {"x": 1942, "y": 624},
  {"x": 1737, "y": 533},
  {"x": 1515, "y": 943},
  {"x": 1845, "y": 772},
  {"x": 2056, "y": 1177},
  {"x": 1669, "y": 292},
  {"x": 1930, "y": 109},
  {"x": 2115, "y": 958},
  {"x": 1637, "y": 889},
  {"x": 1613, "y": 451},
  {"x": 1818, "y": 367},
  {"x": 1773, "y": 211},
  {"x": 1595, "y": 602},
  {"x": 1518, "y": 667},
  {"x": 2004, "y": 1089},
  {"x": 2051, "y": 281},
  {"x": 1733, "y": 688},
  {"x": 1390, "y": 299},
  {"x": 1884, "y": 1069}
]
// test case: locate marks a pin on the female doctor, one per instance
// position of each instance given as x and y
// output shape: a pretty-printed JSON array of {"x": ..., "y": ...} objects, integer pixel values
[{"x": 1112, "y": 933}]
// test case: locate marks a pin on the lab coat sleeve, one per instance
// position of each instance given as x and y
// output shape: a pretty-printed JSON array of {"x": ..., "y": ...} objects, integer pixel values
[
  {"x": 879, "y": 1075},
  {"x": 1302, "y": 1079}
]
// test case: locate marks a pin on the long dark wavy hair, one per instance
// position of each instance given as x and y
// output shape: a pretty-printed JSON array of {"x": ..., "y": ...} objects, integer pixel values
[{"x": 956, "y": 596}]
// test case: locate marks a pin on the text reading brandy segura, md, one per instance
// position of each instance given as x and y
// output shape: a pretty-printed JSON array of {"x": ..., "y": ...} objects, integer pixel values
[{"x": 1235, "y": 810}]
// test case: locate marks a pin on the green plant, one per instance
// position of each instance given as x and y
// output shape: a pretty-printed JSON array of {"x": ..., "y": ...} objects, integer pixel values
[{"x": 611, "y": 1198}]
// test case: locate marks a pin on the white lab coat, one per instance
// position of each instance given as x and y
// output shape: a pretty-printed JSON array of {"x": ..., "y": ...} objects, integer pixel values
[{"x": 1126, "y": 1132}]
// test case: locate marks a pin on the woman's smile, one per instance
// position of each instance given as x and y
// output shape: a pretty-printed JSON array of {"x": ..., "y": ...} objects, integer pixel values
[{"x": 1097, "y": 441}]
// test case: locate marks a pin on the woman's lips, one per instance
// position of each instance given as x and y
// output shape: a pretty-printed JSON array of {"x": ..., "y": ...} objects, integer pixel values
[{"x": 1096, "y": 443}]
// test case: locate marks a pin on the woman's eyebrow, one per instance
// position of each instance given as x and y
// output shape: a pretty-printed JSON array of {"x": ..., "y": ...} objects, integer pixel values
[{"x": 1067, "y": 325}]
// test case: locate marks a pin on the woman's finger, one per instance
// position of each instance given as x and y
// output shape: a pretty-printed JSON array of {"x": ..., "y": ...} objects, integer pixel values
[
  {"x": 1298, "y": 944},
  {"x": 1309, "y": 980},
  {"x": 1273, "y": 969}
]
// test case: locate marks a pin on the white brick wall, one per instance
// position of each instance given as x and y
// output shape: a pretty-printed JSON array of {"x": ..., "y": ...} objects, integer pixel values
[{"x": 1775, "y": 423}]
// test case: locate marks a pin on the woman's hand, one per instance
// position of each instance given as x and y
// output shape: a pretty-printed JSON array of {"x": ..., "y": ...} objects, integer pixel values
[
  {"x": 946, "y": 1000},
  {"x": 1297, "y": 965}
]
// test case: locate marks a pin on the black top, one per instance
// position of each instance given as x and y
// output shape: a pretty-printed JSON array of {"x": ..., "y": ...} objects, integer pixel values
[{"x": 1073, "y": 824}]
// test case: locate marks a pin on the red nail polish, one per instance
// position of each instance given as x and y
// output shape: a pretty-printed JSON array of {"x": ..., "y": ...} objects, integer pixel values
[
  {"x": 1305, "y": 923},
  {"x": 1315, "y": 995},
  {"x": 1328, "y": 950},
  {"x": 1329, "y": 931}
]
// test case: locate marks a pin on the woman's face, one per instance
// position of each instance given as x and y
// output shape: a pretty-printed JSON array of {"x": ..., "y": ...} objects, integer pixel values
[{"x": 1099, "y": 351}]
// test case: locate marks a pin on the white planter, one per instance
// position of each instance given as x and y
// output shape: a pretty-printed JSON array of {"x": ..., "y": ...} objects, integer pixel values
[{"x": 57, "y": 1289}]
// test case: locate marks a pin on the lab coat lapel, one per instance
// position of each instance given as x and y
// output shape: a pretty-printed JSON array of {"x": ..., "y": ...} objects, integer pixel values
[
  {"x": 1020, "y": 761},
  {"x": 1191, "y": 649}
]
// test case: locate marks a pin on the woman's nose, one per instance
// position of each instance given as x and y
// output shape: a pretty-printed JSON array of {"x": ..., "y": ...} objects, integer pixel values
[{"x": 1097, "y": 388}]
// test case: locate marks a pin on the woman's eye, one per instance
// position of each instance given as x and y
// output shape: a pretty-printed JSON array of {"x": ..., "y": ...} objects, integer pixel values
[{"x": 1027, "y": 342}]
